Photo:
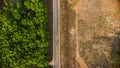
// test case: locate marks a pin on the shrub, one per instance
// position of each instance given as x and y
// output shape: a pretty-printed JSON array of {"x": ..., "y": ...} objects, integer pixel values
[{"x": 115, "y": 60}]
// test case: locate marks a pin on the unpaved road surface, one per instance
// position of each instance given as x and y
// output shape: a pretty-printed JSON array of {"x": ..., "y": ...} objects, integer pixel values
[{"x": 88, "y": 29}]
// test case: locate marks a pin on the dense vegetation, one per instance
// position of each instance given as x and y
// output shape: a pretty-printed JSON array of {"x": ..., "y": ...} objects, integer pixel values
[
  {"x": 23, "y": 34},
  {"x": 116, "y": 52}
]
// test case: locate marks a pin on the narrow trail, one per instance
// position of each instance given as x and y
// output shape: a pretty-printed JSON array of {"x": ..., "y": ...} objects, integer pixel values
[{"x": 78, "y": 57}]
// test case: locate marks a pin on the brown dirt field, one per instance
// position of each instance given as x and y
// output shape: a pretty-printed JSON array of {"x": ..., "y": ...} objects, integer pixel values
[
  {"x": 88, "y": 28},
  {"x": 67, "y": 42}
]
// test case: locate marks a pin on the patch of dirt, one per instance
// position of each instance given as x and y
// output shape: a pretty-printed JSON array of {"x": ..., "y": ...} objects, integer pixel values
[
  {"x": 68, "y": 46},
  {"x": 97, "y": 19},
  {"x": 88, "y": 28}
]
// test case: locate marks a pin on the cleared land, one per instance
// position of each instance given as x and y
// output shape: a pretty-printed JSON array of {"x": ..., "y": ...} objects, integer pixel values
[{"x": 88, "y": 31}]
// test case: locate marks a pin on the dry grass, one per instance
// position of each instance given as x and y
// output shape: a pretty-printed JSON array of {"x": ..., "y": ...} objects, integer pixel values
[{"x": 96, "y": 20}]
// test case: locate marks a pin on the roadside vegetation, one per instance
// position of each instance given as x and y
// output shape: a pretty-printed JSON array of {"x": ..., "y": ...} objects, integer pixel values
[
  {"x": 116, "y": 52},
  {"x": 23, "y": 34}
]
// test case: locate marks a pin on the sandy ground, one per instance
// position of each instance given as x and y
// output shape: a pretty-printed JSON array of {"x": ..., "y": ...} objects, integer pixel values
[{"x": 88, "y": 28}]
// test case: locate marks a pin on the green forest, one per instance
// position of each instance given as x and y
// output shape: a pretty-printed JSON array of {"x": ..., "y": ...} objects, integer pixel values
[{"x": 23, "y": 34}]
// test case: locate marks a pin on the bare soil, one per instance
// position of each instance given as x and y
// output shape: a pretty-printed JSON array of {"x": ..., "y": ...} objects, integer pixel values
[
  {"x": 88, "y": 29},
  {"x": 68, "y": 43}
]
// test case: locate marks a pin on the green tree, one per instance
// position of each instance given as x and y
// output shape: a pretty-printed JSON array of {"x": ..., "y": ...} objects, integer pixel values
[{"x": 23, "y": 34}]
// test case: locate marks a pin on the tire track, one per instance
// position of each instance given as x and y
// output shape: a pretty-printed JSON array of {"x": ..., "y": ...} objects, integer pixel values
[{"x": 78, "y": 57}]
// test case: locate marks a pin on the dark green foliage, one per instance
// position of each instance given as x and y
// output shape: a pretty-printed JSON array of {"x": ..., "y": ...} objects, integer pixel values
[
  {"x": 23, "y": 34},
  {"x": 116, "y": 53}
]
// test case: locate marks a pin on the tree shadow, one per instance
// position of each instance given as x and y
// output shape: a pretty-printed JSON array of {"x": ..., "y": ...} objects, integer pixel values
[
  {"x": 115, "y": 54},
  {"x": 49, "y": 6},
  {"x": 1, "y": 4}
]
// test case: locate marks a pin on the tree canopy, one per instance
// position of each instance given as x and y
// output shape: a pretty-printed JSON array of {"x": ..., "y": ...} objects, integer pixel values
[{"x": 23, "y": 34}]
